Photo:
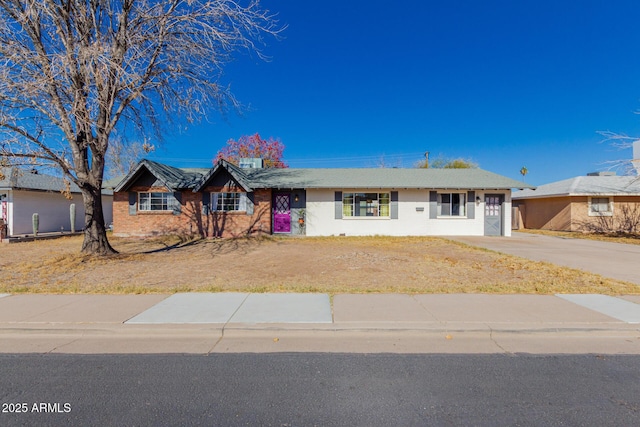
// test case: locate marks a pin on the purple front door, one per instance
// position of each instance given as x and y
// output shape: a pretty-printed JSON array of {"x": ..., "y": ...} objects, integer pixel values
[{"x": 282, "y": 213}]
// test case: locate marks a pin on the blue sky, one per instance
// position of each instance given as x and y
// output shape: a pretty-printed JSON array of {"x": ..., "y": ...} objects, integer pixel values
[{"x": 504, "y": 83}]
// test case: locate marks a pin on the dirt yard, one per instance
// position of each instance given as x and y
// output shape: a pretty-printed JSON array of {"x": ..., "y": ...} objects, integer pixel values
[{"x": 332, "y": 264}]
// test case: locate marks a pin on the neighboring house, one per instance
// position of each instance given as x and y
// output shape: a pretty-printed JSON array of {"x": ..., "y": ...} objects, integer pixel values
[
  {"x": 584, "y": 203},
  {"x": 228, "y": 201},
  {"x": 24, "y": 192}
]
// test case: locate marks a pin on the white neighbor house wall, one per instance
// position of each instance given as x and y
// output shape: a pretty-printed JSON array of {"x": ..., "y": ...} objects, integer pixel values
[
  {"x": 413, "y": 216},
  {"x": 52, "y": 209}
]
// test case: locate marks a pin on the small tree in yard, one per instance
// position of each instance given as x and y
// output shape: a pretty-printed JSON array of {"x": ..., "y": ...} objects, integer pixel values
[
  {"x": 442, "y": 163},
  {"x": 254, "y": 146},
  {"x": 76, "y": 73}
]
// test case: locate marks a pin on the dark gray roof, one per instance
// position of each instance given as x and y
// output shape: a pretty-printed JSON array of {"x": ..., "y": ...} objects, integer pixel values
[
  {"x": 585, "y": 186},
  {"x": 22, "y": 179},
  {"x": 173, "y": 178}
]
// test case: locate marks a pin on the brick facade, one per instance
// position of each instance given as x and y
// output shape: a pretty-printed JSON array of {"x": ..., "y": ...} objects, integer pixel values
[
  {"x": 236, "y": 224},
  {"x": 190, "y": 221}
]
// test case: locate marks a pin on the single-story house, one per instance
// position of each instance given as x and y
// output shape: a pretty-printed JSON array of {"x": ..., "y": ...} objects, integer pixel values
[
  {"x": 600, "y": 201},
  {"x": 25, "y": 192},
  {"x": 228, "y": 201}
]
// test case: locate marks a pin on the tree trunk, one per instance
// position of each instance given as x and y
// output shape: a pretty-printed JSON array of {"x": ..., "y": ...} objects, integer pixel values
[{"x": 95, "y": 233}]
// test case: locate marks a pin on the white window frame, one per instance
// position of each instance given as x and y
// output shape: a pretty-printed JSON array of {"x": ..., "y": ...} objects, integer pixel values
[
  {"x": 462, "y": 204},
  {"x": 220, "y": 201},
  {"x": 372, "y": 208},
  {"x": 167, "y": 201},
  {"x": 595, "y": 203}
]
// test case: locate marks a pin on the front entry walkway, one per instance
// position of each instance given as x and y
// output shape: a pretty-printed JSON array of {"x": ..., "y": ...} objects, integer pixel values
[{"x": 238, "y": 308}]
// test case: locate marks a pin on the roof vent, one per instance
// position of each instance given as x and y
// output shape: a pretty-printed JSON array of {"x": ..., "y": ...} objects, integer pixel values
[
  {"x": 250, "y": 163},
  {"x": 603, "y": 173}
]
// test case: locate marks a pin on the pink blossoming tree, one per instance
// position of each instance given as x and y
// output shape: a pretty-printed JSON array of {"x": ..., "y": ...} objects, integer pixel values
[{"x": 254, "y": 146}]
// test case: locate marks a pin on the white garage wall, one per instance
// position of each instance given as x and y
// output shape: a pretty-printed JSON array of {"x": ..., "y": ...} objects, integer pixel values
[{"x": 52, "y": 209}]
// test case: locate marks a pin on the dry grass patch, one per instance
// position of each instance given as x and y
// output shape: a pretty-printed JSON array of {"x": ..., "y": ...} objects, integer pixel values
[
  {"x": 271, "y": 264},
  {"x": 631, "y": 240}
]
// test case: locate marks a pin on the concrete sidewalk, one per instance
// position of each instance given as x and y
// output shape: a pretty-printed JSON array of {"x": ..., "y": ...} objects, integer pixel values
[{"x": 236, "y": 322}]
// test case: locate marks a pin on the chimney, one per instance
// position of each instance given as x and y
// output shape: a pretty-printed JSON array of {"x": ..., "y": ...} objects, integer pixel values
[{"x": 635, "y": 162}]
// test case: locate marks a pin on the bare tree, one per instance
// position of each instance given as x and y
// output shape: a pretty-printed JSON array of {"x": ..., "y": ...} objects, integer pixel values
[
  {"x": 124, "y": 156},
  {"x": 74, "y": 73},
  {"x": 621, "y": 141}
]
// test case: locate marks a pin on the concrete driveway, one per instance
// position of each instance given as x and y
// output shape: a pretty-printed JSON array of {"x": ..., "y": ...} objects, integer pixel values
[{"x": 614, "y": 260}]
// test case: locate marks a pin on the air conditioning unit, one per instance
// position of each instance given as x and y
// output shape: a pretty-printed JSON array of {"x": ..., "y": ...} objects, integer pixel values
[{"x": 250, "y": 163}]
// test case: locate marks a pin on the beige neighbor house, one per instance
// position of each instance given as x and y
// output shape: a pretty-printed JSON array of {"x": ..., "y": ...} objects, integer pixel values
[{"x": 598, "y": 202}]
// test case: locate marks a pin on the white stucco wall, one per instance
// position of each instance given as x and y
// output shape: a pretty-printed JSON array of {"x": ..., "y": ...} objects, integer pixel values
[
  {"x": 52, "y": 209},
  {"x": 506, "y": 215},
  {"x": 413, "y": 217}
]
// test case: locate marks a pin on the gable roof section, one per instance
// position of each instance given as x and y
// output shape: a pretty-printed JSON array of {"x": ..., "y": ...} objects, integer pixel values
[
  {"x": 585, "y": 186},
  {"x": 172, "y": 178},
  {"x": 239, "y": 174},
  {"x": 21, "y": 179}
]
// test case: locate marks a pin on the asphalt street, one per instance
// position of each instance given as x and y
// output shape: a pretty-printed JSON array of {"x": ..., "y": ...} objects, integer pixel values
[{"x": 319, "y": 389}]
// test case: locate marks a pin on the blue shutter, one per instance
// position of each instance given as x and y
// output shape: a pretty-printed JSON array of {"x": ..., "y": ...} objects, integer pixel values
[
  {"x": 214, "y": 202},
  {"x": 177, "y": 208},
  {"x": 338, "y": 203},
  {"x": 250, "y": 202},
  {"x": 433, "y": 204},
  {"x": 133, "y": 203},
  {"x": 242, "y": 202},
  {"x": 206, "y": 200},
  {"x": 471, "y": 204},
  {"x": 394, "y": 205}
]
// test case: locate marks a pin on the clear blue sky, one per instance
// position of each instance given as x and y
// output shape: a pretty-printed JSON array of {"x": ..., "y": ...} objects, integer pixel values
[{"x": 504, "y": 83}]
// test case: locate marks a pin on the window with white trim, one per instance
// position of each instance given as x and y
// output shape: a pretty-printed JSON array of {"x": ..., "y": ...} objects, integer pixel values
[
  {"x": 365, "y": 204},
  {"x": 452, "y": 204},
  {"x": 149, "y": 201},
  {"x": 229, "y": 202},
  {"x": 600, "y": 206}
]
